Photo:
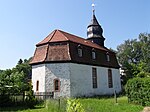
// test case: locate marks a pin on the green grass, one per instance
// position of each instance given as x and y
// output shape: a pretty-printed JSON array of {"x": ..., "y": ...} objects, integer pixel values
[
  {"x": 49, "y": 106},
  {"x": 109, "y": 105},
  {"x": 89, "y": 104}
]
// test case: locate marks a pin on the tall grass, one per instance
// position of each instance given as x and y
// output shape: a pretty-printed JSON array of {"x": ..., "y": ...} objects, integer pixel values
[
  {"x": 109, "y": 105},
  {"x": 89, "y": 104},
  {"x": 55, "y": 105}
]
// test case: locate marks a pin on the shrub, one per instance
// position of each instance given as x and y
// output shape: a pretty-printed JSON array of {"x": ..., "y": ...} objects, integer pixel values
[
  {"x": 143, "y": 74},
  {"x": 30, "y": 99},
  {"x": 73, "y": 105},
  {"x": 138, "y": 91}
]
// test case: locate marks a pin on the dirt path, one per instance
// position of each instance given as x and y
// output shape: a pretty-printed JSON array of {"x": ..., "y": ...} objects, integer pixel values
[{"x": 146, "y": 109}]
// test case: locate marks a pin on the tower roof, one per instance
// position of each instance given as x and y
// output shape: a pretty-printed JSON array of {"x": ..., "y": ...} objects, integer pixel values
[
  {"x": 94, "y": 21},
  {"x": 95, "y": 31}
]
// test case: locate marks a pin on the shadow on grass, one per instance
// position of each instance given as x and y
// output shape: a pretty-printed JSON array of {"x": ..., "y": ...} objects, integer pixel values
[{"x": 19, "y": 108}]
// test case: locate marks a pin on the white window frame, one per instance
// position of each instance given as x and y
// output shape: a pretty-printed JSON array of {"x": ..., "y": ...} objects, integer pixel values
[
  {"x": 93, "y": 55},
  {"x": 107, "y": 57},
  {"x": 80, "y": 52}
]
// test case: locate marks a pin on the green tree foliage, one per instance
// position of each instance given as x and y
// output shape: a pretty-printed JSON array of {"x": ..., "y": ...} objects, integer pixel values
[
  {"x": 20, "y": 83},
  {"x": 1, "y": 71},
  {"x": 138, "y": 91},
  {"x": 5, "y": 82},
  {"x": 20, "y": 61},
  {"x": 145, "y": 49},
  {"x": 23, "y": 66},
  {"x": 134, "y": 56},
  {"x": 30, "y": 99},
  {"x": 15, "y": 81}
]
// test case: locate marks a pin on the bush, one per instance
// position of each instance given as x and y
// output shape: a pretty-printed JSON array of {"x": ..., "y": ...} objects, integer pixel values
[
  {"x": 30, "y": 99},
  {"x": 73, "y": 105},
  {"x": 143, "y": 74},
  {"x": 138, "y": 91}
]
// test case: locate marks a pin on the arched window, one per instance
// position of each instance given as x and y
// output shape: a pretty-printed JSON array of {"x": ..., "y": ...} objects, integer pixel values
[
  {"x": 110, "y": 80},
  {"x": 56, "y": 85},
  {"x": 37, "y": 85},
  {"x": 80, "y": 52}
]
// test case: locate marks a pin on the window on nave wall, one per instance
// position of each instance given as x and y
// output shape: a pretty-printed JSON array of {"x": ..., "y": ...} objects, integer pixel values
[
  {"x": 56, "y": 85},
  {"x": 37, "y": 85},
  {"x": 110, "y": 80},
  {"x": 94, "y": 77}
]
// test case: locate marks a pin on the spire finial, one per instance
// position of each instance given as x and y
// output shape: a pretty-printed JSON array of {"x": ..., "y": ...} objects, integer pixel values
[{"x": 93, "y": 7}]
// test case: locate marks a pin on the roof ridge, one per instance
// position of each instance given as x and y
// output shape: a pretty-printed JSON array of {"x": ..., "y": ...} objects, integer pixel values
[
  {"x": 46, "y": 53},
  {"x": 52, "y": 35},
  {"x": 69, "y": 34},
  {"x": 63, "y": 34},
  {"x": 49, "y": 36}
]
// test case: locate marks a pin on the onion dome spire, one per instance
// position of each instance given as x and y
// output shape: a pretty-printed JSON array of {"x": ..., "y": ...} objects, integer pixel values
[{"x": 94, "y": 30}]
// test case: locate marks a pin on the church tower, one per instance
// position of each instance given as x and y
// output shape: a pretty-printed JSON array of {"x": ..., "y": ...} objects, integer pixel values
[{"x": 95, "y": 31}]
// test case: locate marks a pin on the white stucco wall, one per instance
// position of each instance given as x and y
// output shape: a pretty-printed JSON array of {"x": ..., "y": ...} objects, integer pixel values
[
  {"x": 60, "y": 71},
  {"x": 81, "y": 80},
  {"x": 116, "y": 80},
  {"x": 38, "y": 74},
  {"x": 75, "y": 79}
]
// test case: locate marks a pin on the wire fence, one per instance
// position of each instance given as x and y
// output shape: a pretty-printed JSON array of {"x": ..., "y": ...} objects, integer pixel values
[
  {"x": 19, "y": 99},
  {"x": 44, "y": 95}
]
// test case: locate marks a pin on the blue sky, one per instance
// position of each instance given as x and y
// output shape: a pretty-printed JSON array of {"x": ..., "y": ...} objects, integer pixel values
[{"x": 23, "y": 23}]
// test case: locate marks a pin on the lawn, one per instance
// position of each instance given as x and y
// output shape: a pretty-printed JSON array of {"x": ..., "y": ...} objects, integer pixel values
[
  {"x": 109, "y": 105},
  {"x": 89, "y": 104}
]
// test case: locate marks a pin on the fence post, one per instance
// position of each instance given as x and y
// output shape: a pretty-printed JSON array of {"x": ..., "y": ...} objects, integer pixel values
[
  {"x": 59, "y": 103},
  {"x": 23, "y": 96},
  {"x": 115, "y": 96}
]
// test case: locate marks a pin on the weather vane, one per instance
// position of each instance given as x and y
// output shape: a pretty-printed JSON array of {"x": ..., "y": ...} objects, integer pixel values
[{"x": 93, "y": 7}]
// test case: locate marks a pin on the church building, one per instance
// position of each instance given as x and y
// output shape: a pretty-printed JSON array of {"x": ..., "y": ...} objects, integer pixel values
[{"x": 70, "y": 66}]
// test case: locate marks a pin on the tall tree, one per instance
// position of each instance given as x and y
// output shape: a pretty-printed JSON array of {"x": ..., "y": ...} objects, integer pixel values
[
  {"x": 23, "y": 67},
  {"x": 17, "y": 79},
  {"x": 134, "y": 55},
  {"x": 1, "y": 71},
  {"x": 145, "y": 49},
  {"x": 5, "y": 81}
]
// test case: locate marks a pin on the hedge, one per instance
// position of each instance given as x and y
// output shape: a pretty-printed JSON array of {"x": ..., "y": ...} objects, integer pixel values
[{"x": 138, "y": 91}]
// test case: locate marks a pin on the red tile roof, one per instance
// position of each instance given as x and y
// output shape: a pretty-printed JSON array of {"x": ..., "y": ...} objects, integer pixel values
[
  {"x": 60, "y": 46},
  {"x": 40, "y": 54},
  {"x": 55, "y": 36},
  {"x": 59, "y": 36}
]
